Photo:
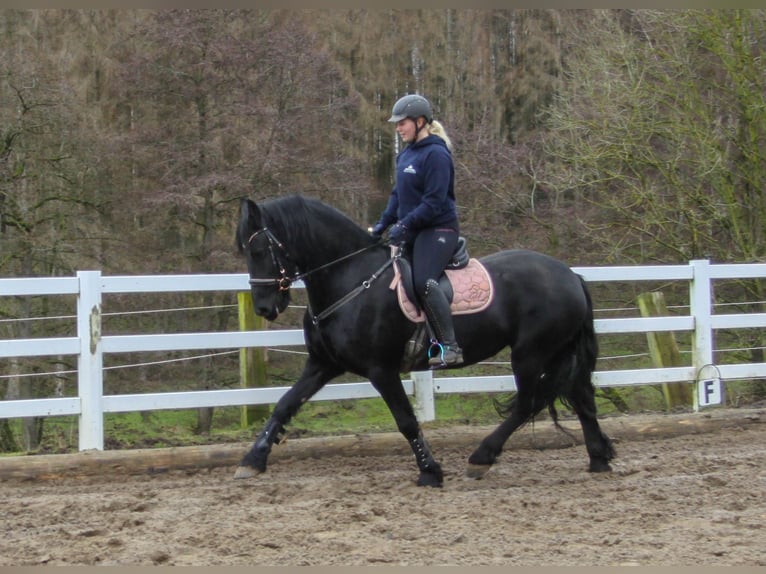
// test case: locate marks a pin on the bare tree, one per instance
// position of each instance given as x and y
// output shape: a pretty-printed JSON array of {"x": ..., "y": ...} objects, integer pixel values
[
  {"x": 45, "y": 214},
  {"x": 225, "y": 104},
  {"x": 660, "y": 128}
]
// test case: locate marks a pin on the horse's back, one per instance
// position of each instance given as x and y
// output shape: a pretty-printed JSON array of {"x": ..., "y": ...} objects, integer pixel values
[
  {"x": 534, "y": 278},
  {"x": 523, "y": 258}
]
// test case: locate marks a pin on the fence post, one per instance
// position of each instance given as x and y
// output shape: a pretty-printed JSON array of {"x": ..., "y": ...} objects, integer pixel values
[
  {"x": 252, "y": 361},
  {"x": 90, "y": 374},
  {"x": 663, "y": 349},
  {"x": 701, "y": 301},
  {"x": 423, "y": 383}
]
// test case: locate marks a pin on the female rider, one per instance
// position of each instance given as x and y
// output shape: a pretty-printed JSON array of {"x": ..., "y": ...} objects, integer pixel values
[{"x": 421, "y": 212}]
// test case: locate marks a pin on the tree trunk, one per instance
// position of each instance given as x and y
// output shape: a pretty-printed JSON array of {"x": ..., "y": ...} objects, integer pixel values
[{"x": 7, "y": 440}]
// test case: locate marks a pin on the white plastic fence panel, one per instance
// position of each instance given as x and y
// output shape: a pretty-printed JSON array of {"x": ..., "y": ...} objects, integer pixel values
[{"x": 89, "y": 345}]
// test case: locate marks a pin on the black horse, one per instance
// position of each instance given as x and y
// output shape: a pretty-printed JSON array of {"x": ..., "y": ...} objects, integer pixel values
[{"x": 541, "y": 309}]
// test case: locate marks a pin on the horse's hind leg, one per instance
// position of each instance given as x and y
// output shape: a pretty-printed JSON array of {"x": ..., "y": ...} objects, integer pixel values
[
  {"x": 599, "y": 446},
  {"x": 482, "y": 459},
  {"x": 523, "y": 408}
]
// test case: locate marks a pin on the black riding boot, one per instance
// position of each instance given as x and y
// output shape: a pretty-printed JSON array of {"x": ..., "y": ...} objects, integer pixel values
[{"x": 437, "y": 308}]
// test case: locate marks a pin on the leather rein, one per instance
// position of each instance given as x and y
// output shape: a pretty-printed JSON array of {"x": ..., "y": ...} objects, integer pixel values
[{"x": 285, "y": 281}]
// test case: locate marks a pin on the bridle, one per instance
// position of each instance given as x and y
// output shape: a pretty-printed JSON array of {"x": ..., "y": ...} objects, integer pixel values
[{"x": 285, "y": 281}]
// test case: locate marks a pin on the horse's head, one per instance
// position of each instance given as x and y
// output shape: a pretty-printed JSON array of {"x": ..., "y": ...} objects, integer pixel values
[{"x": 268, "y": 264}]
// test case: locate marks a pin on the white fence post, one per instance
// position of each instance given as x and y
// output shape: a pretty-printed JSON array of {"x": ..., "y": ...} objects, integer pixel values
[
  {"x": 701, "y": 303},
  {"x": 423, "y": 383},
  {"x": 90, "y": 380}
]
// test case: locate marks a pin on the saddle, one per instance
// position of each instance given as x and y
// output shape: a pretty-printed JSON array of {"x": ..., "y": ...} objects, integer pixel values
[{"x": 465, "y": 281}]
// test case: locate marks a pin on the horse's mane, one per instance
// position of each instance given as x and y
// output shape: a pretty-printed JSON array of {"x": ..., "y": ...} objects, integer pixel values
[{"x": 312, "y": 224}]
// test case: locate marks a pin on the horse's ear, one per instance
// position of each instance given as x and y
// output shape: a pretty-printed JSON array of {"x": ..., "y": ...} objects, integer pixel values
[{"x": 249, "y": 217}]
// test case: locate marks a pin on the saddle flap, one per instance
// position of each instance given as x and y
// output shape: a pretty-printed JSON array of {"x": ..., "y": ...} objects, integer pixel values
[
  {"x": 470, "y": 289},
  {"x": 408, "y": 284}
]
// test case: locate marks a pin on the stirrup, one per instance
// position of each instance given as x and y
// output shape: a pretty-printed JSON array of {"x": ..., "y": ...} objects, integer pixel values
[{"x": 442, "y": 358}]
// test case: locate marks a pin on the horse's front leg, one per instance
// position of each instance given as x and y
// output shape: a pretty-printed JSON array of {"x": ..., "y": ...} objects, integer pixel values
[
  {"x": 254, "y": 462},
  {"x": 389, "y": 385},
  {"x": 313, "y": 378},
  {"x": 430, "y": 471}
]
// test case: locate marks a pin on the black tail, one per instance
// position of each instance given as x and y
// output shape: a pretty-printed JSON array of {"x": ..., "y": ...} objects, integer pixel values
[{"x": 587, "y": 347}]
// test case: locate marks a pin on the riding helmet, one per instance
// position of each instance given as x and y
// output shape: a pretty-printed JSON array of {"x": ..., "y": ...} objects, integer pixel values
[{"x": 412, "y": 106}]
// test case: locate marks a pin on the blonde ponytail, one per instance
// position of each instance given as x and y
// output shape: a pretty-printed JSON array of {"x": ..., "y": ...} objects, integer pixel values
[{"x": 437, "y": 129}]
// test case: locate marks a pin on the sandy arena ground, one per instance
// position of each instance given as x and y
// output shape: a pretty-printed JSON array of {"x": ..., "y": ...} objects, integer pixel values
[{"x": 681, "y": 494}]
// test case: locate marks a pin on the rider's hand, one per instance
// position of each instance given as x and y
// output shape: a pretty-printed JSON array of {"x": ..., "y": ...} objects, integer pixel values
[{"x": 398, "y": 234}]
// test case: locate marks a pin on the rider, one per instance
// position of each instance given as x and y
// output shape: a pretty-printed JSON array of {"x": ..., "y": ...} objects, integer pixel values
[{"x": 422, "y": 209}]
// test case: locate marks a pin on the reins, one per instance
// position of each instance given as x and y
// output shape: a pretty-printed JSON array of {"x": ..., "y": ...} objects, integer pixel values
[
  {"x": 284, "y": 281},
  {"x": 351, "y": 294},
  {"x": 333, "y": 262}
]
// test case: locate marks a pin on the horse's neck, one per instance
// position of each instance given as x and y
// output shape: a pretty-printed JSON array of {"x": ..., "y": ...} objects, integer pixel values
[
  {"x": 334, "y": 274},
  {"x": 312, "y": 250}
]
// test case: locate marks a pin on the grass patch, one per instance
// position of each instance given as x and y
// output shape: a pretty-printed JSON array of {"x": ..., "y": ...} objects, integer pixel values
[{"x": 168, "y": 428}]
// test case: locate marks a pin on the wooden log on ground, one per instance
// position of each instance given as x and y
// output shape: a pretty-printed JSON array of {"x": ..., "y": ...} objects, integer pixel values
[{"x": 194, "y": 458}]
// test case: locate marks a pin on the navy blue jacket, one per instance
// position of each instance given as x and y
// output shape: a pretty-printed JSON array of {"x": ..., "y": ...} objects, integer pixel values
[{"x": 424, "y": 192}]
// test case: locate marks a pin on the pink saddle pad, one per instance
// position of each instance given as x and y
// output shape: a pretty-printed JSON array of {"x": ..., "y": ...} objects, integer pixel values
[{"x": 472, "y": 287}]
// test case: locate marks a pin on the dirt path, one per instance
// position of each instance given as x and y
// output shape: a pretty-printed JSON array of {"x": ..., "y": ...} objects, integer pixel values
[{"x": 673, "y": 499}]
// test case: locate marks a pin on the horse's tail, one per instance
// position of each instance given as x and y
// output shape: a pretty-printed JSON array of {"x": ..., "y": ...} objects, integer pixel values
[
  {"x": 567, "y": 376},
  {"x": 571, "y": 377},
  {"x": 587, "y": 347}
]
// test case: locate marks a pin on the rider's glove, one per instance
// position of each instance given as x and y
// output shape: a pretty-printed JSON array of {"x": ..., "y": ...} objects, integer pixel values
[{"x": 398, "y": 234}]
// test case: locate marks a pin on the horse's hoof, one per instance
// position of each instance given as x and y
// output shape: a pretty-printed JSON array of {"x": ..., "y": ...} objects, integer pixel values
[
  {"x": 477, "y": 471},
  {"x": 246, "y": 472},
  {"x": 428, "y": 479},
  {"x": 599, "y": 466}
]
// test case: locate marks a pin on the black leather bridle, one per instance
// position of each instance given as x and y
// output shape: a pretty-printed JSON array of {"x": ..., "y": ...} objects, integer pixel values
[{"x": 284, "y": 281}]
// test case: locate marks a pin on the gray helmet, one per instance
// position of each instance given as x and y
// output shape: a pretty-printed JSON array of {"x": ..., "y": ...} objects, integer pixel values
[{"x": 412, "y": 106}]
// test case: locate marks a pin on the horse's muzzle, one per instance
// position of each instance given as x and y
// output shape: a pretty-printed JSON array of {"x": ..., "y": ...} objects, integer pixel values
[{"x": 268, "y": 313}]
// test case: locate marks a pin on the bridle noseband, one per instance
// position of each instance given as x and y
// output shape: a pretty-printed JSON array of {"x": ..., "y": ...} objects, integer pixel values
[{"x": 283, "y": 282}]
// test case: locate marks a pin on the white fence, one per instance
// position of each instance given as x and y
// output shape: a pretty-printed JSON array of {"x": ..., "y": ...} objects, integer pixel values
[{"x": 90, "y": 345}]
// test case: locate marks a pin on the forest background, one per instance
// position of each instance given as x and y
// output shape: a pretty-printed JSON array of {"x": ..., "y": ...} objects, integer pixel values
[{"x": 602, "y": 137}]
